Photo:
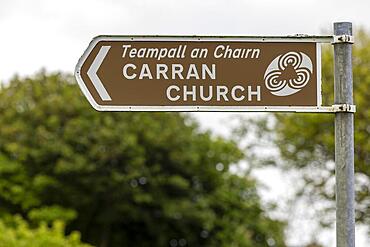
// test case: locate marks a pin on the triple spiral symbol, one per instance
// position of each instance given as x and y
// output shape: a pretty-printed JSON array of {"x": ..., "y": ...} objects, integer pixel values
[{"x": 278, "y": 83}]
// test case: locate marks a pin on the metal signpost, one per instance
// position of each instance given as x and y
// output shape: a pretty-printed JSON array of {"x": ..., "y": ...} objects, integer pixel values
[
  {"x": 233, "y": 73},
  {"x": 344, "y": 136}
]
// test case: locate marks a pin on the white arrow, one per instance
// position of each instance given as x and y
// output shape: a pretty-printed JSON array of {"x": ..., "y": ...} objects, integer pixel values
[{"x": 91, "y": 73}]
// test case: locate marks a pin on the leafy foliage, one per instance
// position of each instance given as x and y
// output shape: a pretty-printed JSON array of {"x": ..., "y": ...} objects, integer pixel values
[
  {"x": 18, "y": 233},
  {"x": 122, "y": 179}
]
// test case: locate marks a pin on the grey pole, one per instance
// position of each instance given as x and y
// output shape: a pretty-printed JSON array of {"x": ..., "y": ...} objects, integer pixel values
[{"x": 344, "y": 138}]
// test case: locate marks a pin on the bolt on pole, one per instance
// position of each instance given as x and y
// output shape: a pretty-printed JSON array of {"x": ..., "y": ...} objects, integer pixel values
[{"x": 344, "y": 137}]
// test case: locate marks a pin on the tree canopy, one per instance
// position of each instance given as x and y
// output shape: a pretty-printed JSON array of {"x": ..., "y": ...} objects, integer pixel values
[
  {"x": 16, "y": 232},
  {"x": 122, "y": 179}
]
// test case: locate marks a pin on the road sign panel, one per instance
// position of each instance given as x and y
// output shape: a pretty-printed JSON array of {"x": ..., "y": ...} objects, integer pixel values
[{"x": 200, "y": 74}]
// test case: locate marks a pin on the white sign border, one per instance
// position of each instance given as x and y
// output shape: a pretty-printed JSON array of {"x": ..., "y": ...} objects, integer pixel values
[{"x": 198, "y": 108}]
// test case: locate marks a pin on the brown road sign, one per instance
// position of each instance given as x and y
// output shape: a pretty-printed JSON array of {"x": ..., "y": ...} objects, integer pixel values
[{"x": 119, "y": 73}]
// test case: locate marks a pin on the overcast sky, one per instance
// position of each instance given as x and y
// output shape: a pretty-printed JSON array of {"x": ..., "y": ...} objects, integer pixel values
[{"x": 53, "y": 34}]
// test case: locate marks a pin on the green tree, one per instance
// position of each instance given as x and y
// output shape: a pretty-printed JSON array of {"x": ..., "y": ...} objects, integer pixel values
[
  {"x": 122, "y": 179},
  {"x": 17, "y": 233},
  {"x": 306, "y": 141}
]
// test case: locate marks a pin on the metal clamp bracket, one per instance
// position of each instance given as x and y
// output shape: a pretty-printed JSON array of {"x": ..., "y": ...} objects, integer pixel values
[
  {"x": 344, "y": 108},
  {"x": 338, "y": 39}
]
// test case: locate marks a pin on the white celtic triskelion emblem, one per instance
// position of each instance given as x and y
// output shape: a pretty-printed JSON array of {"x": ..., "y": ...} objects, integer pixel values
[{"x": 288, "y": 73}]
